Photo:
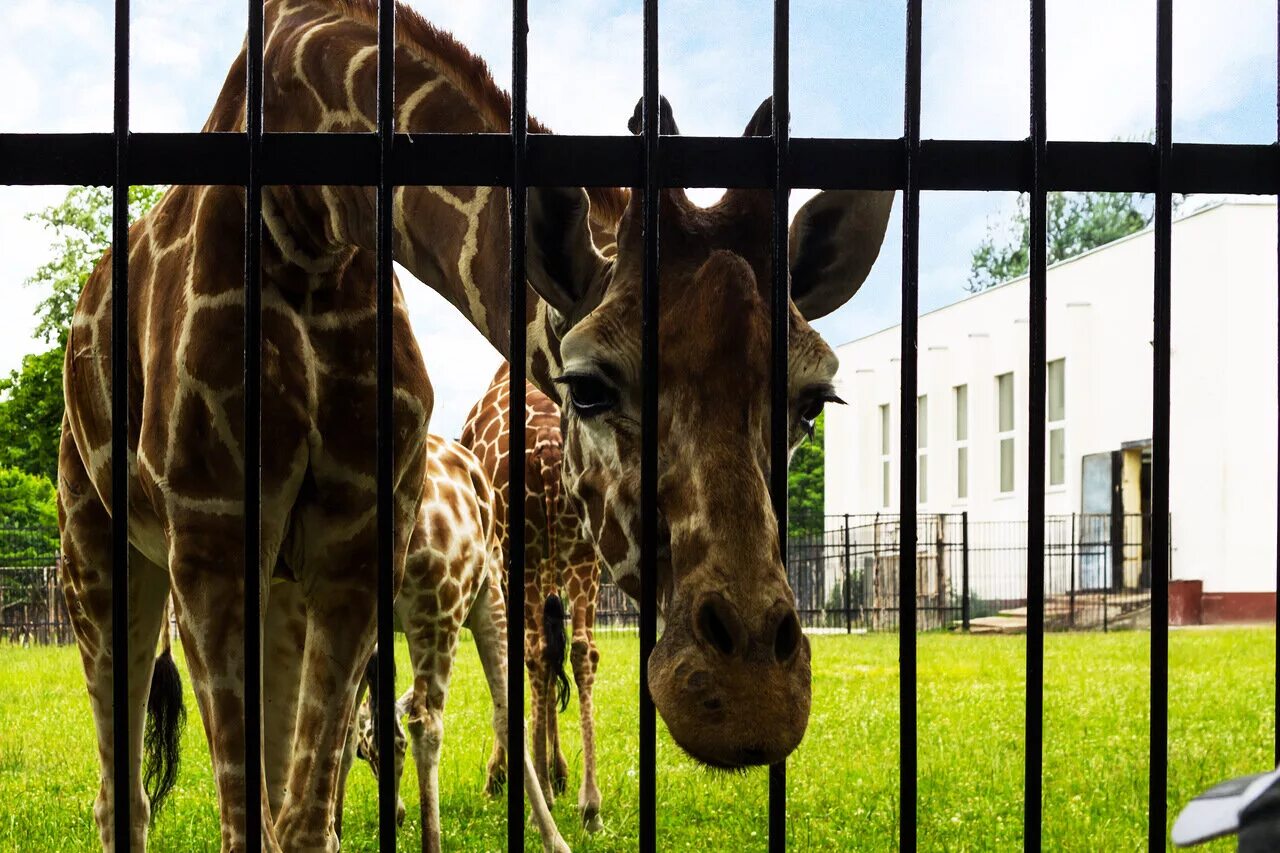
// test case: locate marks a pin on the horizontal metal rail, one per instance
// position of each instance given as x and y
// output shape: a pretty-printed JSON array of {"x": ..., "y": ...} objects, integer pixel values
[{"x": 683, "y": 161}]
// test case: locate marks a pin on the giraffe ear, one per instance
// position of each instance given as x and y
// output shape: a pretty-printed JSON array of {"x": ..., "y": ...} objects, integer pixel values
[
  {"x": 834, "y": 240},
  {"x": 562, "y": 264}
]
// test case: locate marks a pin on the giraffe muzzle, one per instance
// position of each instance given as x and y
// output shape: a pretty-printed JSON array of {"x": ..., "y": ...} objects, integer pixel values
[{"x": 732, "y": 686}]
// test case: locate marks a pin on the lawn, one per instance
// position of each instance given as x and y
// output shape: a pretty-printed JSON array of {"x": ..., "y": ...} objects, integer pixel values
[{"x": 842, "y": 782}]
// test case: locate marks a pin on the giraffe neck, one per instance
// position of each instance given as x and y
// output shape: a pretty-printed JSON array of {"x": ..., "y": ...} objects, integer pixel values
[{"x": 320, "y": 68}]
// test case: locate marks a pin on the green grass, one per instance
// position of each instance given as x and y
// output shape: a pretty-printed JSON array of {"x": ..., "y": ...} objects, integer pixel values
[{"x": 842, "y": 782}]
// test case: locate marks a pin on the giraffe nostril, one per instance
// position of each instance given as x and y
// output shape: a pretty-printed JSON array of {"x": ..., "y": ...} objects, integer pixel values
[
  {"x": 719, "y": 626},
  {"x": 786, "y": 638}
]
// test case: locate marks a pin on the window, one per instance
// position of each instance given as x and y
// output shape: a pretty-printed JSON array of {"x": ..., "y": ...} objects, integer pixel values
[
  {"x": 1057, "y": 415},
  {"x": 962, "y": 441},
  {"x": 1004, "y": 397},
  {"x": 922, "y": 449},
  {"x": 885, "y": 439}
]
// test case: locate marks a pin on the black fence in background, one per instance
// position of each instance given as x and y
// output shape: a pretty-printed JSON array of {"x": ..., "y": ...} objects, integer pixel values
[
  {"x": 31, "y": 606},
  {"x": 844, "y": 570},
  {"x": 971, "y": 574}
]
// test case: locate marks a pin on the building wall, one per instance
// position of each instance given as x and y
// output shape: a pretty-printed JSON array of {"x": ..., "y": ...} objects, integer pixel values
[{"x": 1100, "y": 308}]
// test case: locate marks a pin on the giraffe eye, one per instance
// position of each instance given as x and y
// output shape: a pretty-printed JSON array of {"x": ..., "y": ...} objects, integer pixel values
[
  {"x": 589, "y": 394},
  {"x": 812, "y": 408}
]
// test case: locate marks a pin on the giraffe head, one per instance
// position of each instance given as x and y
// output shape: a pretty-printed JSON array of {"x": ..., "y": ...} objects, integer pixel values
[{"x": 730, "y": 674}]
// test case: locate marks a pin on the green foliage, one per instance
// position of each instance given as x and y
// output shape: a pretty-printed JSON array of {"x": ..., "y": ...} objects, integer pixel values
[
  {"x": 26, "y": 500},
  {"x": 81, "y": 224},
  {"x": 1074, "y": 223},
  {"x": 31, "y": 397},
  {"x": 805, "y": 484},
  {"x": 28, "y": 528},
  {"x": 31, "y": 414}
]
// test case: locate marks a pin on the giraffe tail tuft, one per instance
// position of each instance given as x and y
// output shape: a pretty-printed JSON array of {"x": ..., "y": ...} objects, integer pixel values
[
  {"x": 166, "y": 718},
  {"x": 554, "y": 642}
]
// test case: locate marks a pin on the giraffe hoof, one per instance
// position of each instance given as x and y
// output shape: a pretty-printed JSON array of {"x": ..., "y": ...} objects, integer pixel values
[
  {"x": 496, "y": 784},
  {"x": 560, "y": 783},
  {"x": 591, "y": 820}
]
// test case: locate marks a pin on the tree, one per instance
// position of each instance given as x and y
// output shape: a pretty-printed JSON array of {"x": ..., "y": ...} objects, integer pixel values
[
  {"x": 31, "y": 414},
  {"x": 31, "y": 397},
  {"x": 1074, "y": 223},
  {"x": 27, "y": 501},
  {"x": 82, "y": 232},
  {"x": 805, "y": 484}
]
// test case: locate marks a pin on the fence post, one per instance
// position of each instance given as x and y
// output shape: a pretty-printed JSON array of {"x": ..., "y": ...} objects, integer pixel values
[
  {"x": 940, "y": 569},
  {"x": 964, "y": 571},
  {"x": 848, "y": 612},
  {"x": 1071, "y": 611}
]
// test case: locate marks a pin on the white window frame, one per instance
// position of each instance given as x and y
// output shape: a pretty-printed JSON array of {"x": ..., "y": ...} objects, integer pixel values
[
  {"x": 886, "y": 458},
  {"x": 922, "y": 449},
  {"x": 960, "y": 410},
  {"x": 1005, "y": 433},
  {"x": 1056, "y": 424}
]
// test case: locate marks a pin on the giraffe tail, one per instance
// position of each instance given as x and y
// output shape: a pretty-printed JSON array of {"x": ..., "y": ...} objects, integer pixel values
[
  {"x": 554, "y": 642},
  {"x": 166, "y": 718},
  {"x": 548, "y": 450}
]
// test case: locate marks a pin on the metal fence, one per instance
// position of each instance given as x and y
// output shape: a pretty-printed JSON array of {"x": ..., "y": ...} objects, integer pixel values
[
  {"x": 971, "y": 574},
  {"x": 32, "y": 609},
  {"x": 517, "y": 160}
]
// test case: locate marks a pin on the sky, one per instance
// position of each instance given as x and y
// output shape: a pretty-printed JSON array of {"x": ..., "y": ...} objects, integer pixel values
[{"x": 847, "y": 60}]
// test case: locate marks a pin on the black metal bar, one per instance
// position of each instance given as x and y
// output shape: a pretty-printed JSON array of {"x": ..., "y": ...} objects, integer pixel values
[
  {"x": 252, "y": 433},
  {"x": 848, "y": 614},
  {"x": 1276, "y": 710},
  {"x": 518, "y": 208},
  {"x": 780, "y": 317},
  {"x": 555, "y": 160},
  {"x": 1032, "y": 802},
  {"x": 386, "y": 685},
  {"x": 650, "y": 131},
  {"x": 1157, "y": 804},
  {"x": 120, "y": 742},
  {"x": 964, "y": 570},
  {"x": 1071, "y": 615},
  {"x": 907, "y": 733}
]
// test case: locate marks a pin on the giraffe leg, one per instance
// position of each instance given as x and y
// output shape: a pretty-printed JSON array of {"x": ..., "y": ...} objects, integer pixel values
[
  {"x": 496, "y": 771},
  {"x": 557, "y": 766},
  {"x": 488, "y": 623},
  {"x": 208, "y": 586},
  {"x": 332, "y": 661},
  {"x": 435, "y": 642},
  {"x": 584, "y": 585},
  {"x": 284, "y": 633},
  {"x": 538, "y": 692},
  {"x": 349, "y": 751},
  {"x": 87, "y": 568}
]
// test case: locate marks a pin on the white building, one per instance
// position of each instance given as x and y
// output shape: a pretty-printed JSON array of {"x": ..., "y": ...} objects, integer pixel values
[{"x": 972, "y": 443}]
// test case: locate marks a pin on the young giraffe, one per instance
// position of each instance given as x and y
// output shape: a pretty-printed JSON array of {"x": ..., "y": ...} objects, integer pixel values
[
  {"x": 452, "y": 578},
  {"x": 558, "y": 557},
  {"x": 730, "y": 674}
]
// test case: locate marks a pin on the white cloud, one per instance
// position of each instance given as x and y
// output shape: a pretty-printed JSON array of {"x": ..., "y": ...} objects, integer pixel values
[
  {"x": 1101, "y": 66},
  {"x": 585, "y": 77}
]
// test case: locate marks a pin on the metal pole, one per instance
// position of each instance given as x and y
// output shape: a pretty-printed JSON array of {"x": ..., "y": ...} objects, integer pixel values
[
  {"x": 1071, "y": 612},
  {"x": 848, "y": 612},
  {"x": 964, "y": 570}
]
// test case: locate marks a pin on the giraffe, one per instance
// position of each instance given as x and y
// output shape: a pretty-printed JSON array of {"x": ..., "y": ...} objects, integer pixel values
[
  {"x": 558, "y": 557},
  {"x": 452, "y": 578},
  {"x": 730, "y": 675}
]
